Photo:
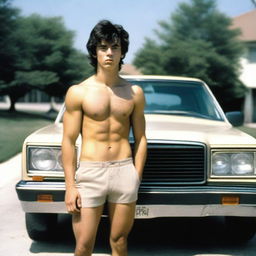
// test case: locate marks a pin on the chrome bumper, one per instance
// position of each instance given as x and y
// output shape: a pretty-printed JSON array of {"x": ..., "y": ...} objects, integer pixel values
[
  {"x": 156, "y": 211},
  {"x": 174, "y": 202}
]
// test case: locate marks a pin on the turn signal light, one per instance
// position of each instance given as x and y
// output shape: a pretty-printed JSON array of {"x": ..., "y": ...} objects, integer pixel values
[
  {"x": 230, "y": 200},
  {"x": 44, "y": 198},
  {"x": 37, "y": 178}
]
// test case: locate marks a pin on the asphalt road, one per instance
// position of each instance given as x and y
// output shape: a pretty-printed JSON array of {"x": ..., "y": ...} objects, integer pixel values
[{"x": 158, "y": 237}]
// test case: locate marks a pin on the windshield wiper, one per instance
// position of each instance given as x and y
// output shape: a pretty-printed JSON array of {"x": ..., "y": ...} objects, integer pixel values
[{"x": 178, "y": 112}]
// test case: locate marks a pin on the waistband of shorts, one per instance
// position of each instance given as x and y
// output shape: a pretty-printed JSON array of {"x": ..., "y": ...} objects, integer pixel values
[{"x": 113, "y": 163}]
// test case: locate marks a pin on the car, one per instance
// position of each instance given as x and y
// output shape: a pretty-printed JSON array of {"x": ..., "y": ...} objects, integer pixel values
[{"x": 199, "y": 164}]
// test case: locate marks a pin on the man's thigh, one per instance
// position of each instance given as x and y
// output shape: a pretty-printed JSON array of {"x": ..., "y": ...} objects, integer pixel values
[
  {"x": 85, "y": 224},
  {"x": 121, "y": 218}
]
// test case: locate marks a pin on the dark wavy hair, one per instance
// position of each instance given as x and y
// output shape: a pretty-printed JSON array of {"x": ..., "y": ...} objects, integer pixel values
[{"x": 105, "y": 30}]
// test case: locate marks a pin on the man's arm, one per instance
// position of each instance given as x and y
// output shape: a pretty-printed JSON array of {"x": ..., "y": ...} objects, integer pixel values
[
  {"x": 72, "y": 121},
  {"x": 138, "y": 126}
]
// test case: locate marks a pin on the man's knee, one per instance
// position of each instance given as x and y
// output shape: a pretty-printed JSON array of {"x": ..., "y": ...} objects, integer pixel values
[
  {"x": 83, "y": 249},
  {"x": 119, "y": 242}
]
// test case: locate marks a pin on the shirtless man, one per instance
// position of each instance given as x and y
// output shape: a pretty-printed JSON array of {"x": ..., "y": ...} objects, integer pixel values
[{"x": 103, "y": 108}]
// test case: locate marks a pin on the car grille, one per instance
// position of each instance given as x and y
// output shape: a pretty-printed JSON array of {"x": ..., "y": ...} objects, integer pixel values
[{"x": 174, "y": 164}]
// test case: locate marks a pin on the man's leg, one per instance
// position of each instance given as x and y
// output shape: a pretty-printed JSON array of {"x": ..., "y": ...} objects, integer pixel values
[
  {"x": 85, "y": 227},
  {"x": 121, "y": 220}
]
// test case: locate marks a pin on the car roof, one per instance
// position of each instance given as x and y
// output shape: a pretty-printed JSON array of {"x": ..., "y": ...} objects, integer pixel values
[{"x": 158, "y": 77}]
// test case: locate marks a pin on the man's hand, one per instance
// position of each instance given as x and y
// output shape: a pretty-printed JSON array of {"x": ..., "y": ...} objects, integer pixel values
[{"x": 73, "y": 200}]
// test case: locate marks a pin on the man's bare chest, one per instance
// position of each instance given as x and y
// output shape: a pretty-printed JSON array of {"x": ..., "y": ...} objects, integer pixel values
[{"x": 101, "y": 103}]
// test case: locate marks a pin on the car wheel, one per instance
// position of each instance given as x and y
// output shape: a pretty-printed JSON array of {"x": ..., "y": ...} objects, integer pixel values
[
  {"x": 41, "y": 226},
  {"x": 240, "y": 229}
]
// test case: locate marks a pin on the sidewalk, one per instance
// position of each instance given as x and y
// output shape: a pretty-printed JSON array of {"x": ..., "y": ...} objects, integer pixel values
[
  {"x": 251, "y": 125},
  {"x": 11, "y": 169},
  {"x": 35, "y": 107}
]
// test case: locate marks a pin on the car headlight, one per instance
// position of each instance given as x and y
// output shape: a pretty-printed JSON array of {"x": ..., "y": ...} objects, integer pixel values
[
  {"x": 242, "y": 163},
  {"x": 44, "y": 159},
  {"x": 220, "y": 164},
  {"x": 233, "y": 164}
]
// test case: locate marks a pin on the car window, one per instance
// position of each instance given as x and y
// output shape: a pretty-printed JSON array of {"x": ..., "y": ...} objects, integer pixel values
[
  {"x": 179, "y": 98},
  {"x": 184, "y": 98}
]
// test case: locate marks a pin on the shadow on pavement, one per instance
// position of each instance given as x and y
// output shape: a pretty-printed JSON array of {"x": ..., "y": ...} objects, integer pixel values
[
  {"x": 173, "y": 236},
  {"x": 65, "y": 241}
]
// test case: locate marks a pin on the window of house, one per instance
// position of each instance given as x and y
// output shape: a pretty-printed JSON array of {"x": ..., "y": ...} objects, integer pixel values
[{"x": 252, "y": 54}]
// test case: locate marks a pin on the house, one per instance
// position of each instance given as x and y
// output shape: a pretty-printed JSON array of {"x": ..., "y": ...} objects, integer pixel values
[
  {"x": 129, "y": 69},
  {"x": 247, "y": 24}
]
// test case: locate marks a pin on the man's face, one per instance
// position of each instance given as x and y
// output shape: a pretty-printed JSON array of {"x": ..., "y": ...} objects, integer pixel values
[{"x": 108, "y": 54}]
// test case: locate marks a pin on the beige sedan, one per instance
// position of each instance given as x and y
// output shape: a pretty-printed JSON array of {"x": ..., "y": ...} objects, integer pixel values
[{"x": 198, "y": 164}]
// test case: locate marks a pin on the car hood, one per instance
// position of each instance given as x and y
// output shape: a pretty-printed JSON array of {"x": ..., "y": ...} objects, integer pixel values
[
  {"x": 51, "y": 134},
  {"x": 214, "y": 133},
  {"x": 167, "y": 127}
]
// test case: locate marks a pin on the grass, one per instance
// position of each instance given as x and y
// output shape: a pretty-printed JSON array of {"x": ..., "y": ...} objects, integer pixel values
[
  {"x": 15, "y": 127},
  {"x": 251, "y": 131}
]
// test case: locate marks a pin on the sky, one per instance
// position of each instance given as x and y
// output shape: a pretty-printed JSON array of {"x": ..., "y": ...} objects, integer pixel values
[{"x": 138, "y": 17}]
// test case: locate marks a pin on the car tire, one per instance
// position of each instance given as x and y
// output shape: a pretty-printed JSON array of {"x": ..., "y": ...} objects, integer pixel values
[
  {"x": 41, "y": 226},
  {"x": 240, "y": 229}
]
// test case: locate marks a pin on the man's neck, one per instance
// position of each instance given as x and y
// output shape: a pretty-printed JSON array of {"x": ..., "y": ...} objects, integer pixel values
[{"x": 109, "y": 78}]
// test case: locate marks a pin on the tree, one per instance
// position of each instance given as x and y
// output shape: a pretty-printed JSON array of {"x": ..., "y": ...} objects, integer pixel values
[
  {"x": 197, "y": 41},
  {"x": 50, "y": 63},
  {"x": 44, "y": 58},
  {"x": 9, "y": 51}
]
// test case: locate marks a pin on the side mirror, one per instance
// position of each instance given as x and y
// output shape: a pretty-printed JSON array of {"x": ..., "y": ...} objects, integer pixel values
[{"x": 236, "y": 118}]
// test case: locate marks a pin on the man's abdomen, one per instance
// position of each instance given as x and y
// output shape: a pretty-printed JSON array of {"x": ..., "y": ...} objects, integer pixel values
[{"x": 93, "y": 150}]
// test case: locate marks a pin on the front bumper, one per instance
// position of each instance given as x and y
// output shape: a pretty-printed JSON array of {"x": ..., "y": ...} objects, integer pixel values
[{"x": 184, "y": 201}]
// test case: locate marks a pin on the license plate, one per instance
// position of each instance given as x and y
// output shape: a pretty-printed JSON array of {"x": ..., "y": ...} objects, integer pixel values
[{"x": 142, "y": 212}]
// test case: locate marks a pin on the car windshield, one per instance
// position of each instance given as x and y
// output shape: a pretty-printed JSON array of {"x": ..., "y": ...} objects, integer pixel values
[
  {"x": 183, "y": 98},
  {"x": 179, "y": 98}
]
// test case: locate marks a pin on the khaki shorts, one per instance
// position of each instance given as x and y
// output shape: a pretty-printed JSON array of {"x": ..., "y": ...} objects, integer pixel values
[{"x": 112, "y": 181}]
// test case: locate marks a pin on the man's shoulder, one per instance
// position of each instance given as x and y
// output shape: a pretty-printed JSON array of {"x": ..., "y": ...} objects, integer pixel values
[
  {"x": 133, "y": 86},
  {"x": 75, "y": 94},
  {"x": 136, "y": 89},
  {"x": 138, "y": 94},
  {"x": 75, "y": 90},
  {"x": 88, "y": 81},
  {"x": 80, "y": 87}
]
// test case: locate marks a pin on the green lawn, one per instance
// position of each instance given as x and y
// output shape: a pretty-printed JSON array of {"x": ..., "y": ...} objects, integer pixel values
[
  {"x": 14, "y": 128},
  {"x": 249, "y": 130}
]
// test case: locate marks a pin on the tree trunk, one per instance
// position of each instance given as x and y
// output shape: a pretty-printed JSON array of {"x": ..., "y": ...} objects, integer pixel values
[{"x": 13, "y": 101}]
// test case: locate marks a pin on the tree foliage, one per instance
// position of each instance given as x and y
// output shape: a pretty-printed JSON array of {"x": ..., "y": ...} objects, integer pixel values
[
  {"x": 38, "y": 54},
  {"x": 50, "y": 52},
  {"x": 197, "y": 41},
  {"x": 8, "y": 49}
]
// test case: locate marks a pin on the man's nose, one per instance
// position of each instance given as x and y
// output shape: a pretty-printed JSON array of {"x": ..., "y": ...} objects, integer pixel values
[{"x": 109, "y": 51}]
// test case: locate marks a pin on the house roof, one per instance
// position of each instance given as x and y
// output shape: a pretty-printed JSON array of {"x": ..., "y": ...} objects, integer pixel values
[
  {"x": 129, "y": 69},
  {"x": 247, "y": 23}
]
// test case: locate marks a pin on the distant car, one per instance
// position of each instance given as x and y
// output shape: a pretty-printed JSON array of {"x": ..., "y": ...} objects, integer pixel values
[{"x": 198, "y": 164}]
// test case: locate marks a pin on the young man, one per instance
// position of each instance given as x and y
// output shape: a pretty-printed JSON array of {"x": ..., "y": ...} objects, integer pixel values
[{"x": 103, "y": 108}]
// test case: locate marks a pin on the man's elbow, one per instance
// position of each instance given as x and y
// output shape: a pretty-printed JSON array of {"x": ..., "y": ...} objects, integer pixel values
[
  {"x": 68, "y": 141},
  {"x": 140, "y": 138}
]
